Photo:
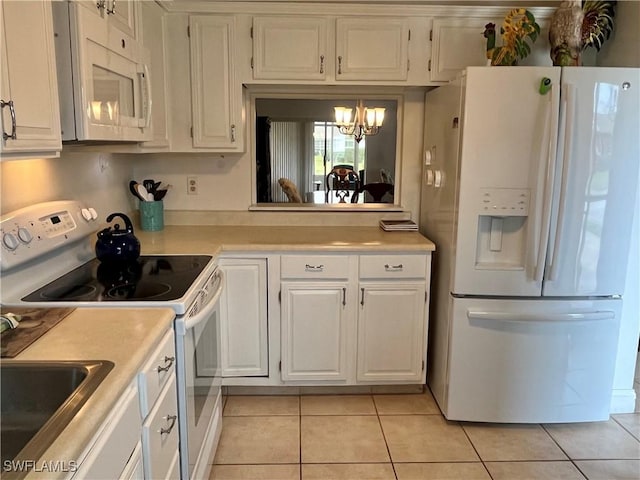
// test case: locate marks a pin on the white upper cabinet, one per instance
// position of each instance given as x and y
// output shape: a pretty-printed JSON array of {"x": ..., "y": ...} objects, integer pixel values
[
  {"x": 120, "y": 14},
  {"x": 372, "y": 49},
  {"x": 153, "y": 35},
  {"x": 457, "y": 43},
  {"x": 290, "y": 48},
  {"x": 216, "y": 97},
  {"x": 323, "y": 49},
  {"x": 28, "y": 84}
]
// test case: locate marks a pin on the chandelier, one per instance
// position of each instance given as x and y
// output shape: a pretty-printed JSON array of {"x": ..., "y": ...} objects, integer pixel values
[{"x": 366, "y": 121}]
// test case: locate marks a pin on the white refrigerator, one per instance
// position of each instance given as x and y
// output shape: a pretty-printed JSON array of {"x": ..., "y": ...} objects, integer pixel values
[{"x": 529, "y": 191}]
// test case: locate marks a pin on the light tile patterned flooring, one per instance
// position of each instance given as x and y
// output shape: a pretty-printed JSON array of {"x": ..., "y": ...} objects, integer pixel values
[{"x": 402, "y": 437}]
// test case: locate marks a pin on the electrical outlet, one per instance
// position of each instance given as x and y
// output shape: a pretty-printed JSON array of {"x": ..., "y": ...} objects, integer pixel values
[{"x": 192, "y": 185}]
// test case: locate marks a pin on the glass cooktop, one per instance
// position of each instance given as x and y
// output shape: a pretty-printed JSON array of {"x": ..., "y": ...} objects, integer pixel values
[{"x": 150, "y": 278}]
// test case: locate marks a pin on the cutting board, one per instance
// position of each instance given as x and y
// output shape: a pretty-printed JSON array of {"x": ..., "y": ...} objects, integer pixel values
[{"x": 35, "y": 323}]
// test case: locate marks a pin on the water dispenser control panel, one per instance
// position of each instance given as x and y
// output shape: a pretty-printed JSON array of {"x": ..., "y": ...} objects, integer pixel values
[{"x": 504, "y": 202}]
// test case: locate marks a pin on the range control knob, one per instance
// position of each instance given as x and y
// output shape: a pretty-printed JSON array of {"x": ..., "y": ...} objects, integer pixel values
[
  {"x": 93, "y": 213},
  {"x": 86, "y": 214},
  {"x": 24, "y": 235},
  {"x": 10, "y": 241}
]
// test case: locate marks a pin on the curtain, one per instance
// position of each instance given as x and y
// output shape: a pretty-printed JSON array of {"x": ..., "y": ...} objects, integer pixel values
[{"x": 263, "y": 160}]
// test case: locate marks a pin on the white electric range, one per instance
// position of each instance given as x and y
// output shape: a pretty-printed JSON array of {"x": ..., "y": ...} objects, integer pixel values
[{"x": 48, "y": 260}]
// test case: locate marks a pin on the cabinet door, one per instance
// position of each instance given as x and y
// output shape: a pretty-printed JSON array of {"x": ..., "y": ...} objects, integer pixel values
[
  {"x": 134, "y": 469},
  {"x": 314, "y": 331},
  {"x": 391, "y": 332},
  {"x": 372, "y": 48},
  {"x": 457, "y": 43},
  {"x": 160, "y": 434},
  {"x": 29, "y": 78},
  {"x": 289, "y": 48},
  {"x": 153, "y": 33},
  {"x": 120, "y": 14},
  {"x": 215, "y": 98},
  {"x": 243, "y": 318},
  {"x": 109, "y": 456}
]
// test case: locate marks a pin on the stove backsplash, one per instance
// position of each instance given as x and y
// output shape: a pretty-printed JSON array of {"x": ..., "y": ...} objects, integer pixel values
[{"x": 98, "y": 179}]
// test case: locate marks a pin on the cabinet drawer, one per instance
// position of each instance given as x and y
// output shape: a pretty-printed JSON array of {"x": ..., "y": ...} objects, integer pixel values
[
  {"x": 160, "y": 434},
  {"x": 155, "y": 373},
  {"x": 109, "y": 455},
  {"x": 393, "y": 266},
  {"x": 314, "y": 266}
]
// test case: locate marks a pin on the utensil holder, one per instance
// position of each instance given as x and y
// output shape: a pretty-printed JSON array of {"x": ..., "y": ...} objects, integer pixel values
[{"x": 152, "y": 216}]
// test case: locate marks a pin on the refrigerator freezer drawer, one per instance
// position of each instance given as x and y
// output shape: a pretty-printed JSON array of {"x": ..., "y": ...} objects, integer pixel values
[{"x": 531, "y": 361}]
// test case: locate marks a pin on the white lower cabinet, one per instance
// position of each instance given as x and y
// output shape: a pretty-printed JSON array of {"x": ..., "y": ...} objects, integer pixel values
[
  {"x": 391, "y": 324},
  {"x": 134, "y": 469},
  {"x": 243, "y": 317},
  {"x": 109, "y": 455},
  {"x": 160, "y": 435},
  {"x": 315, "y": 322},
  {"x": 139, "y": 439},
  {"x": 348, "y": 319},
  {"x": 159, "y": 412}
]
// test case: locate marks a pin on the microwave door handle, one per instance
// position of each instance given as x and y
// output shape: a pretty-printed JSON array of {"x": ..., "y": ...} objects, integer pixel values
[
  {"x": 147, "y": 102},
  {"x": 210, "y": 306}
]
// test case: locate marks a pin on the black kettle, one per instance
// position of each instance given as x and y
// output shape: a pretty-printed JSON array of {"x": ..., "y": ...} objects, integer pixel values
[{"x": 116, "y": 245}]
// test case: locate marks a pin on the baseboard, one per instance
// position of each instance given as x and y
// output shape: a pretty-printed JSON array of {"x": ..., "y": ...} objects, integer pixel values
[{"x": 623, "y": 401}]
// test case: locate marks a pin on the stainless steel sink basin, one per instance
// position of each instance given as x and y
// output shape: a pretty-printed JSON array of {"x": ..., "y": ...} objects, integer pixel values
[{"x": 39, "y": 399}]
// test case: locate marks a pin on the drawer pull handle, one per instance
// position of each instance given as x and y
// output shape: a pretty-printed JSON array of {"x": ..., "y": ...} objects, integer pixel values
[
  {"x": 393, "y": 268},
  {"x": 344, "y": 296},
  {"x": 314, "y": 268},
  {"x": 168, "y": 361},
  {"x": 172, "y": 419},
  {"x": 362, "y": 297}
]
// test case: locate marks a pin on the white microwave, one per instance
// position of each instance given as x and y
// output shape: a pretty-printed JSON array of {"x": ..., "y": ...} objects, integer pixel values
[{"x": 103, "y": 77}]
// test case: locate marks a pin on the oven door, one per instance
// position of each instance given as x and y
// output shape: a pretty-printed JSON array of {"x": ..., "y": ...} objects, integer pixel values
[{"x": 199, "y": 382}]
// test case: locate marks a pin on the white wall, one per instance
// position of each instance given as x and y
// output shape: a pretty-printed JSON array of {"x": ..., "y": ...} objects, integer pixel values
[
  {"x": 98, "y": 179},
  {"x": 225, "y": 181},
  {"x": 623, "y": 48}
]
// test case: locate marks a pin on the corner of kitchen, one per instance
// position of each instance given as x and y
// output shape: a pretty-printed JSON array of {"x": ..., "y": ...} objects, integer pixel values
[{"x": 301, "y": 239}]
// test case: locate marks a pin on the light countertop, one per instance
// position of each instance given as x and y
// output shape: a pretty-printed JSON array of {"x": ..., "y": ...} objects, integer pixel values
[
  {"x": 210, "y": 239},
  {"x": 125, "y": 337}
]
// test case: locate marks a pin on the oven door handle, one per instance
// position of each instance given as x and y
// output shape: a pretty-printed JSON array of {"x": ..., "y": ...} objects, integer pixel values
[{"x": 210, "y": 306}]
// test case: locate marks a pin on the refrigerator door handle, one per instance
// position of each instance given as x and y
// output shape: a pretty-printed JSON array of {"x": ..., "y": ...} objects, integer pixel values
[
  {"x": 549, "y": 174},
  {"x": 541, "y": 317},
  {"x": 569, "y": 107}
]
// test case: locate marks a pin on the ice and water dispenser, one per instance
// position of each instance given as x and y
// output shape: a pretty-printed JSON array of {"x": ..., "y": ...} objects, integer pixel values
[{"x": 502, "y": 227}]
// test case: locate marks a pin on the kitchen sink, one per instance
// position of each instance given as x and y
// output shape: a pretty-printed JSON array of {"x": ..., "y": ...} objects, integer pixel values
[{"x": 39, "y": 399}]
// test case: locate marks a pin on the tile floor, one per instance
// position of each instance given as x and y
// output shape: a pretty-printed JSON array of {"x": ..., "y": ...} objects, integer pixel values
[{"x": 402, "y": 437}]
